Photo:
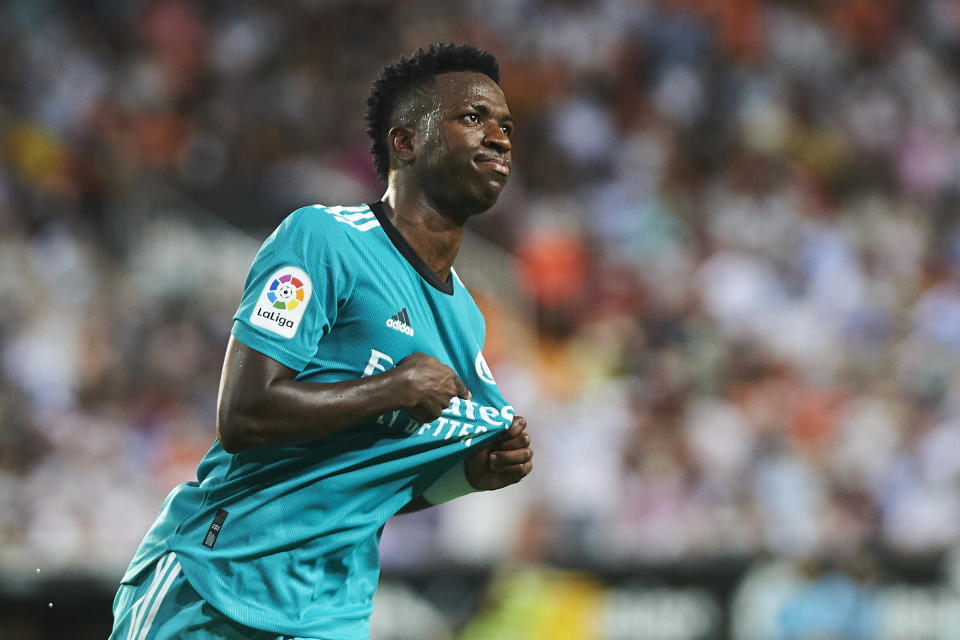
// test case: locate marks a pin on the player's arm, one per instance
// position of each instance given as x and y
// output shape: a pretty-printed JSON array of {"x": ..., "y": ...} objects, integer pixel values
[
  {"x": 506, "y": 461},
  {"x": 261, "y": 403}
]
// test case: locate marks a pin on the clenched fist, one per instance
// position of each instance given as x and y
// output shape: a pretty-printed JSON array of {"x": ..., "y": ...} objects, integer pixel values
[
  {"x": 507, "y": 460},
  {"x": 428, "y": 386}
]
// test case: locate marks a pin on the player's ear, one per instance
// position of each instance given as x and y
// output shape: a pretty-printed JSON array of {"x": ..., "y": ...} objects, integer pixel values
[{"x": 400, "y": 140}]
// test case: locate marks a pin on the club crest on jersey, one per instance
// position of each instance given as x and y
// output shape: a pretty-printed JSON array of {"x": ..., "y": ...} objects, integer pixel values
[
  {"x": 401, "y": 322},
  {"x": 281, "y": 304}
]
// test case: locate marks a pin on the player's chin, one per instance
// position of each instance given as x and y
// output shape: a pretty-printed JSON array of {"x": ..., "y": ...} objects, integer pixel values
[{"x": 489, "y": 192}]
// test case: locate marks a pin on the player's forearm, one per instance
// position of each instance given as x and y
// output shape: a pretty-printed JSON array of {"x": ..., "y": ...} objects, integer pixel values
[{"x": 290, "y": 412}]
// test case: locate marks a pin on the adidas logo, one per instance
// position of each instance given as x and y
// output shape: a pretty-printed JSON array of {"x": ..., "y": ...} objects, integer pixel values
[{"x": 401, "y": 322}]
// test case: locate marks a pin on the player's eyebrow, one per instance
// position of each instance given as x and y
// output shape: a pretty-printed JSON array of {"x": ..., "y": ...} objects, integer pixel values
[{"x": 484, "y": 110}]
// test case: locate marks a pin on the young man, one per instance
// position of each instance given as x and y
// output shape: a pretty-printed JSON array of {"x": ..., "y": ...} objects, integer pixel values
[{"x": 354, "y": 385}]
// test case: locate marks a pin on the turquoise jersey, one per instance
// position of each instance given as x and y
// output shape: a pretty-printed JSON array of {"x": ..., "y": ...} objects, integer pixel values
[{"x": 284, "y": 538}]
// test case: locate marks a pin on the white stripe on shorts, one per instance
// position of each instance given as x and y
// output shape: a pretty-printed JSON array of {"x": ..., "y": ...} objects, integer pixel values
[{"x": 139, "y": 608}]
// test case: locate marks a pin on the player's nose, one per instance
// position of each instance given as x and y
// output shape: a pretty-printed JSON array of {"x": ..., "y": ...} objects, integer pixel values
[{"x": 496, "y": 138}]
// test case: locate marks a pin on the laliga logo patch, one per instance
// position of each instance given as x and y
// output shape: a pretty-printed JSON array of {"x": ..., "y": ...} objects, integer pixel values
[
  {"x": 282, "y": 302},
  {"x": 483, "y": 370}
]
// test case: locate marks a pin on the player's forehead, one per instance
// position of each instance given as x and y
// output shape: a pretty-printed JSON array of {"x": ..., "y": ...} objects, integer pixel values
[{"x": 458, "y": 89}]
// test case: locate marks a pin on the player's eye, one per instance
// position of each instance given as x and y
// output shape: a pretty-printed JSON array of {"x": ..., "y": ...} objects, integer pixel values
[
  {"x": 472, "y": 118},
  {"x": 507, "y": 129}
]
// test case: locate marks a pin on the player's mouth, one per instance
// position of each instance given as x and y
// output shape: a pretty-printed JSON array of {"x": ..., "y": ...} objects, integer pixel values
[{"x": 497, "y": 164}]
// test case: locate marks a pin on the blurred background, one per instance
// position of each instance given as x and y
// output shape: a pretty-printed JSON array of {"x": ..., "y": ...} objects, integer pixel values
[{"x": 723, "y": 285}]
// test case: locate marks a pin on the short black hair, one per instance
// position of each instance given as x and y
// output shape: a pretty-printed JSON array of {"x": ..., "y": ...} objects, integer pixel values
[{"x": 402, "y": 77}]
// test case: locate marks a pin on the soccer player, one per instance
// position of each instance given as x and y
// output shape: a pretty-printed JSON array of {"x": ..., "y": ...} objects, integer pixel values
[{"x": 354, "y": 386}]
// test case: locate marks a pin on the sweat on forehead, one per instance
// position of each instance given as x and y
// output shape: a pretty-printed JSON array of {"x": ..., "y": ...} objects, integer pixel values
[{"x": 431, "y": 93}]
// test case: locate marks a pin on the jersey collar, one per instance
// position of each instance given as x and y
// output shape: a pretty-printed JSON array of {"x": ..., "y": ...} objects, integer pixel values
[{"x": 409, "y": 254}]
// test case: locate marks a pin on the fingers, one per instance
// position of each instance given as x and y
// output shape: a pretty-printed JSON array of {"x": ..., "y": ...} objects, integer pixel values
[
  {"x": 428, "y": 383},
  {"x": 511, "y": 457},
  {"x": 511, "y": 473},
  {"x": 503, "y": 462},
  {"x": 505, "y": 459},
  {"x": 514, "y": 438},
  {"x": 522, "y": 441},
  {"x": 423, "y": 415},
  {"x": 462, "y": 390},
  {"x": 516, "y": 428}
]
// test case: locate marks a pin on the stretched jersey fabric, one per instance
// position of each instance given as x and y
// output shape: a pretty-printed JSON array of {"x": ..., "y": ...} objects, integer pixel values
[{"x": 285, "y": 538}]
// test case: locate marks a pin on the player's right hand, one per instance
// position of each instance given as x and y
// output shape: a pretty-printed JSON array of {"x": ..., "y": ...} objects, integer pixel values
[{"x": 427, "y": 386}]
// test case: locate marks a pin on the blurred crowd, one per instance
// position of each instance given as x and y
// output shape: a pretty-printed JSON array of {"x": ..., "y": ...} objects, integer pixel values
[{"x": 732, "y": 225}]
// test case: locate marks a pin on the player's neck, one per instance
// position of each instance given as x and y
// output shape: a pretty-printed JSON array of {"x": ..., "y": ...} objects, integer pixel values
[{"x": 435, "y": 236}]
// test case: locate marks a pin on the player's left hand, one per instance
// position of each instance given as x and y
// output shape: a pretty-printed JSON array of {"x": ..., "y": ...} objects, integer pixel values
[{"x": 507, "y": 460}]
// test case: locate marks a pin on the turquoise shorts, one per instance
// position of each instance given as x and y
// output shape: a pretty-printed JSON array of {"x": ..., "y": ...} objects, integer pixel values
[{"x": 160, "y": 604}]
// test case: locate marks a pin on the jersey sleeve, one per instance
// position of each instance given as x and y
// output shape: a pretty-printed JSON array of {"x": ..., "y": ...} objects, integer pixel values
[{"x": 293, "y": 289}]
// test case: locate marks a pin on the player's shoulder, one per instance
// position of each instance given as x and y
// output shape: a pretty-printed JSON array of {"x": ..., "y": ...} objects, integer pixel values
[
  {"x": 324, "y": 230},
  {"x": 333, "y": 219}
]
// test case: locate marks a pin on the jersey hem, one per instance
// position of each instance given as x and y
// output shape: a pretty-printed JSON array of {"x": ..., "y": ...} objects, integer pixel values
[{"x": 240, "y": 610}]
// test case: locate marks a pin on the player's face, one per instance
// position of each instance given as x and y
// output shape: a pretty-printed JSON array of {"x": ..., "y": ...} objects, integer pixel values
[{"x": 464, "y": 161}]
